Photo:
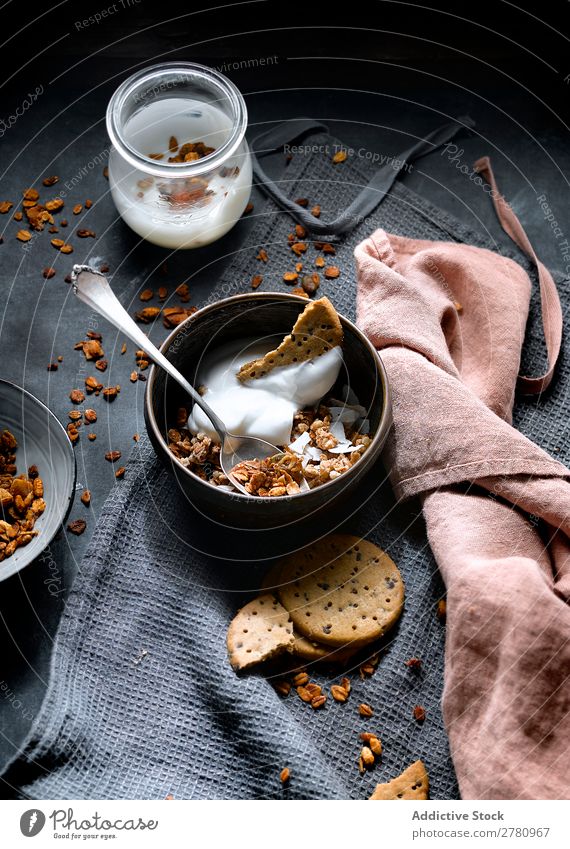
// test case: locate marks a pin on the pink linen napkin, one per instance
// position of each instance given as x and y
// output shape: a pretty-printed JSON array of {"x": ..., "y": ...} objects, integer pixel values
[{"x": 449, "y": 320}]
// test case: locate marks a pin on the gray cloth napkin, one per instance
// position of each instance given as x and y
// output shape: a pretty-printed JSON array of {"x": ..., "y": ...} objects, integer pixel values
[{"x": 142, "y": 701}]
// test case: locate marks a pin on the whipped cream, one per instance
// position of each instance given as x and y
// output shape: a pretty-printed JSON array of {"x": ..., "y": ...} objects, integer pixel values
[{"x": 263, "y": 407}]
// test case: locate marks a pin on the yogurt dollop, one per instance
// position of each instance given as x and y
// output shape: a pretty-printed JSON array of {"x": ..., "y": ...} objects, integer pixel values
[{"x": 263, "y": 407}]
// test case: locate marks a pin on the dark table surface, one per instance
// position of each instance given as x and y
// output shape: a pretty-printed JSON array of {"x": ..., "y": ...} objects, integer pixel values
[{"x": 386, "y": 76}]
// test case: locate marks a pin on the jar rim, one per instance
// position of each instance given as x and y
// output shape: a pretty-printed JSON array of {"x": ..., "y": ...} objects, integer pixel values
[{"x": 176, "y": 169}]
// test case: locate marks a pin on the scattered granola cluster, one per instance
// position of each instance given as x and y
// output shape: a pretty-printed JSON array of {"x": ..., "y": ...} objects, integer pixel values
[
  {"x": 324, "y": 446},
  {"x": 305, "y": 281},
  {"x": 172, "y": 316},
  {"x": 40, "y": 214},
  {"x": 371, "y": 750},
  {"x": 307, "y": 690},
  {"x": 21, "y": 499},
  {"x": 314, "y": 696},
  {"x": 311, "y": 693}
]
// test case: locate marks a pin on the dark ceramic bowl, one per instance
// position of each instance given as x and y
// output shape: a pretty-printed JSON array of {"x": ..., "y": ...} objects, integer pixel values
[
  {"x": 258, "y": 315},
  {"x": 43, "y": 442}
]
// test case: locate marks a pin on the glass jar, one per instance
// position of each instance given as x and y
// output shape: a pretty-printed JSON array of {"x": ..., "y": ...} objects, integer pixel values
[{"x": 179, "y": 167}]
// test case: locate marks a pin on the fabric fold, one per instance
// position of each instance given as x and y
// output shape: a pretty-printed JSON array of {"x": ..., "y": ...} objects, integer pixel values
[{"x": 449, "y": 321}]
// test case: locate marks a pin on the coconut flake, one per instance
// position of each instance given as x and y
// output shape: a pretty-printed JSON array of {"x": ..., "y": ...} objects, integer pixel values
[
  {"x": 313, "y": 452},
  {"x": 299, "y": 444},
  {"x": 343, "y": 448},
  {"x": 337, "y": 430}
]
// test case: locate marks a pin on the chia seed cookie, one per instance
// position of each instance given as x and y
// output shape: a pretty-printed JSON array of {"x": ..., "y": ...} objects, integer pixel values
[
  {"x": 259, "y": 631},
  {"x": 341, "y": 590},
  {"x": 316, "y": 331}
]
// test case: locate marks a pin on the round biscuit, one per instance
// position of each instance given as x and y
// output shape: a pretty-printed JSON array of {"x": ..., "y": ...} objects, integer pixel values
[
  {"x": 259, "y": 631},
  {"x": 314, "y": 652},
  {"x": 340, "y": 590},
  {"x": 303, "y": 648}
]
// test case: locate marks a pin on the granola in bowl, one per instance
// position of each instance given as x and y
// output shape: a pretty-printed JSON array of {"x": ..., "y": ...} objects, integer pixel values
[
  {"x": 262, "y": 317},
  {"x": 21, "y": 499},
  {"x": 275, "y": 391},
  {"x": 325, "y": 443}
]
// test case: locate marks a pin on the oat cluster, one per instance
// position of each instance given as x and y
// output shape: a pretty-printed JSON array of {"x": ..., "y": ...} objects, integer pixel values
[{"x": 316, "y": 463}]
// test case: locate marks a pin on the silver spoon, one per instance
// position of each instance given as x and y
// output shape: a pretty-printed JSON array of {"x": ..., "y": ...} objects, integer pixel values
[{"x": 93, "y": 289}]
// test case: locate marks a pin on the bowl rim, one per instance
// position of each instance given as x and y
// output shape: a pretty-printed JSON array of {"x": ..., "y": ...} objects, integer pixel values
[
  {"x": 48, "y": 537},
  {"x": 379, "y": 437}
]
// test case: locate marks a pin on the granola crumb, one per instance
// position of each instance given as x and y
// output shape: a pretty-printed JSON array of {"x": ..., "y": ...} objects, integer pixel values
[
  {"x": 300, "y": 679},
  {"x": 375, "y": 746},
  {"x": 339, "y": 693},
  {"x": 77, "y": 527},
  {"x": 419, "y": 713},
  {"x": 76, "y": 396},
  {"x": 332, "y": 272},
  {"x": 368, "y": 668}
]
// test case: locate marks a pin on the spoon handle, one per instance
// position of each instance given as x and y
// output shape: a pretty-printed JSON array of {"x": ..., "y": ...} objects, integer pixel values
[{"x": 93, "y": 289}]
